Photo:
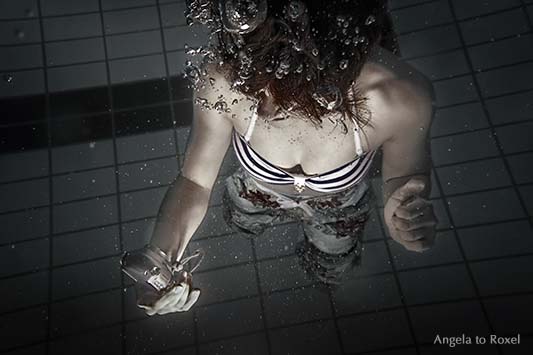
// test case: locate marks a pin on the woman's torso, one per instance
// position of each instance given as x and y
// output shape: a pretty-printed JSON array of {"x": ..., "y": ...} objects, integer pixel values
[{"x": 296, "y": 145}]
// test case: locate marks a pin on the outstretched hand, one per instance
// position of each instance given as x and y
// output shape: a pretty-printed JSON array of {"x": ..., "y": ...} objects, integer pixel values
[
  {"x": 410, "y": 217},
  {"x": 179, "y": 298}
]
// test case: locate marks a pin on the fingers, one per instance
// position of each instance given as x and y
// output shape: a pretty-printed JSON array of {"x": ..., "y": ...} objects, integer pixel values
[
  {"x": 423, "y": 220},
  {"x": 195, "y": 294},
  {"x": 179, "y": 299}
]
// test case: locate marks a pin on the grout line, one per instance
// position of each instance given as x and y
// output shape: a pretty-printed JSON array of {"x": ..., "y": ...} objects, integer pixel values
[{"x": 117, "y": 176}]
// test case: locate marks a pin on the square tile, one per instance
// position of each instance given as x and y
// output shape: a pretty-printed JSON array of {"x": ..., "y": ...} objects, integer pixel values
[
  {"x": 445, "y": 250},
  {"x": 83, "y": 246},
  {"x": 442, "y": 66},
  {"x": 418, "y": 17},
  {"x": 226, "y": 284},
  {"x": 19, "y": 32},
  {"x": 429, "y": 41},
  {"x": 22, "y": 109},
  {"x": 455, "y": 91},
  {"x": 81, "y": 129},
  {"x": 527, "y": 195},
  {"x": 76, "y": 315},
  {"x": 510, "y": 108},
  {"x": 24, "y": 165},
  {"x": 143, "y": 120},
  {"x": 24, "y": 257},
  {"x": 177, "y": 37},
  {"x": 143, "y": 93},
  {"x": 77, "y": 76},
  {"x": 485, "y": 207},
  {"x": 23, "y": 328},
  {"x": 20, "y": 9},
  {"x": 137, "y": 234},
  {"x": 516, "y": 138},
  {"x": 81, "y": 156},
  {"x": 521, "y": 170},
  {"x": 458, "y": 148},
  {"x": 85, "y": 214},
  {"x": 24, "y": 138},
  {"x": 282, "y": 273},
  {"x": 479, "y": 7},
  {"x": 495, "y": 240},
  {"x": 254, "y": 344},
  {"x": 80, "y": 279},
  {"x": 79, "y": 102},
  {"x": 24, "y": 83},
  {"x": 86, "y": 184},
  {"x": 375, "y": 331},
  {"x": 141, "y": 204},
  {"x": 157, "y": 334},
  {"x": 296, "y": 306},
  {"x": 158, "y": 172},
  {"x": 145, "y": 146},
  {"x": 131, "y": 20},
  {"x": 213, "y": 223},
  {"x": 69, "y": 27},
  {"x": 448, "y": 319},
  {"x": 140, "y": 68},
  {"x": 493, "y": 27},
  {"x": 134, "y": 44},
  {"x": 470, "y": 177},
  {"x": 505, "y": 80},
  {"x": 27, "y": 224},
  {"x": 278, "y": 240},
  {"x": 120, "y": 4},
  {"x": 505, "y": 52},
  {"x": 366, "y": 294},
  {"x": 437, "y": 284},
  {"x": 24, "y": 291},
  {"x": 27, "y": 194},
  {"x": 107, "y": 340},
  {"x": 58, "y": 7},
  {"x": 503, "y": 276},
  {"x": 173, "y": 14},
  {"x": 229, "y": 319},
  {"x": 75, "y": 51},
  {"x": 458, "y": 119},
  {"x": 511, "y": 314},
  {"x": 223, "y": 251},
  {"x": 21, "y": 57},
  {"x": 316, "y": 337}
]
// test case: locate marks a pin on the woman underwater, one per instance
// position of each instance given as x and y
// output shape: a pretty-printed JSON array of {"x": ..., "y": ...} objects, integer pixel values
[{"x": 306, "y": 92}]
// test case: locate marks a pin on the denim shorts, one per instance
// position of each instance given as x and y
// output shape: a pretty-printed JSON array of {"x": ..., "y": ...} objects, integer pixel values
[{"x": 333, "y": 223}]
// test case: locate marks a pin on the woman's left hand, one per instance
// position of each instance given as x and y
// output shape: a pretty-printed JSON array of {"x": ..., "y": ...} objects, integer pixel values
[{"x": 410, "y": 217}]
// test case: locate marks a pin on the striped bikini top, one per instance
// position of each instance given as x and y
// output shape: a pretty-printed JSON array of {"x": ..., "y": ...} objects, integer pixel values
[{"x": 332, "y": 181}]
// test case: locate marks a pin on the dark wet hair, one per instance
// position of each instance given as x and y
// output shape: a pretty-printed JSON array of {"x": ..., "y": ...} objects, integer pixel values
[{"x": 307, "y": 60}]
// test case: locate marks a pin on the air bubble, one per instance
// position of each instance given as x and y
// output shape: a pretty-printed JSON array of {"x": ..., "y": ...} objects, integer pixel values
[
  {"x": 8, "y": 78},
  {"x": 370, "y": 20}
]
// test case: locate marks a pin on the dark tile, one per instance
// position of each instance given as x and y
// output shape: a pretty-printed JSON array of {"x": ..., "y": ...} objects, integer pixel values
[
  {"x": 373, "y": 227},
  {"x": 75, "y": 51},
  {"x": 77, "y": 76},
  {"x": 442, "y": 66},
  {"x": 19, "y": 32},
  {"x": 180, "y": 88},
  {"x": 24, "y": 83},
  {"x": 27, "y": 194},
  {"x": 278, "y": 240},
  {"x": 213, "y": 223},
  {"x": 396, "y": 4},
  {"x": 521, "y": 170},
  {"x": 374, "y": 259},
  {"x": 68, "y": 27},
  {"x": 455, "y": 91},
  {"x": 83, "y": 246},
  {"x": 223, "y": 251},
  {"x": 134, "y": 44},
  {"x": 131, "y": 20},
  {"x": 375, "y": 331},
  {"x": 282, "y": 273},
  {"x": 472, "y": 8},
  {"x": 121, "y": 4},
  {"x": 137, "y": 69},
  {"x": 429, "y": 41},
  {"x": 102, "y": 341},
  {"x": 80, "y": 279},
  {"x": 82, "y": 156},
  {"x": 503, "y": 276},
  {"x": 138, "y": 94},
  {"x": 226, "y": 284},
  {"x": 142, "y": 203},
  {"x": 437, "y": 284},
  {"x": 366, "y": 294},
  {"x": 296, "y": 306},
  {"x": 21, "y": 138},
  {"x": 31, "y": 350},
  {"x": 506, "y": 80},
  {"x": 160, "y": 333},
  {"x": 229, "y": 319},
  {"x": 22, "y": 109},
  {"x": 58, "y": 7},
  {"x": 24, "y": 257},
  {"x": 79, "y": 102},
  {"x": 151, "y": 173},
  {"x": 184, "y": 113},
  {"x": 230, "y": 163},
  {"x": 418, "y": 17},
  {"x": 143, "y": 120},
  {"x": 76, "y": 315},
  {"x": 20, "y": 9},
  {"x": 458, "y": 148},
  {"x": 24, "y": 291},
  {"x": 527, "y": 195},
  {"x": 85, "y": 214},
  {"x": 254, "y": 344},
  {"x": 21, "y": 57},
  {"x": 24, "y": 165},
  {"x": 177, "y": 37},
  {"x": 484, "y": 207},
  {"x": 24, "y": 327},
  {"x": 505, "y": 52},
  {"x": 81, "y": 129},
  {"x": 495, "y": 240},
  {"x": 445, "y": 250},
  {"x": 83, "y": 185},
  {"x": 137, "y": 234},
  {"x": 493, "y": 27},
  {"x": 510, "y": 108},
  {"x": 27, "y": 224},
  {"x": 173, "y": 14},
  {"x": 516, "y": 138},
  {"x": 310, "y": 338},
  {"x": 146, "y": 146},
  {"x": 448, "y": 319},
  {"x": 511, "y": 314},
  {"x": 458, "y": 119},
  {"x": 474, "y": 176}
]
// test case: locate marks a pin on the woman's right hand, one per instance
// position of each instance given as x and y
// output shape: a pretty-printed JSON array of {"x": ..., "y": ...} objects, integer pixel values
[{"x": 179, "y": 298}]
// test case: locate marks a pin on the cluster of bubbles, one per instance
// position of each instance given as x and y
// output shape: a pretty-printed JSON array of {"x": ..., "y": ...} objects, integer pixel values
[{"x": 239, "y": 17}]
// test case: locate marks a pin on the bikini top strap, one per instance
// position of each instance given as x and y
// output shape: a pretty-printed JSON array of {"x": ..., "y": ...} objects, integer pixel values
[
  {"x": 357, "y": 139},
  {"x": 251, "y": 126}
]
